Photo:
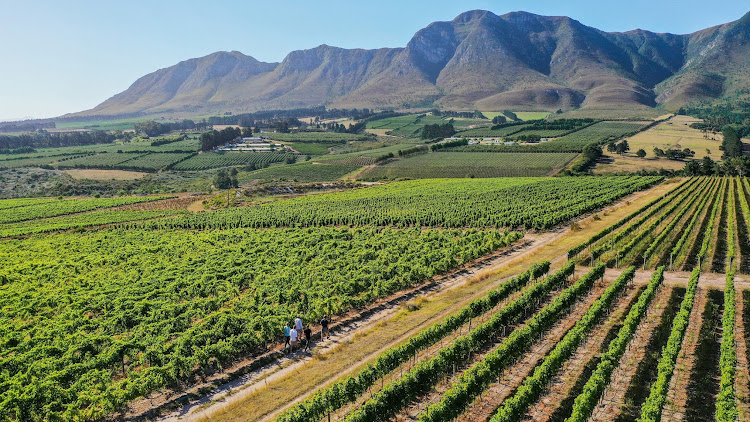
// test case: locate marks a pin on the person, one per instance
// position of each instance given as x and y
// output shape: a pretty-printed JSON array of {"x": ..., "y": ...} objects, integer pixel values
[
  {"x": 293, "y": 339},
  {"x": 286, "y": 335},
  {"x": 324, "y": 328},
  {"x": 308, "y": 337},
  {"x": 298, "y": 325}
]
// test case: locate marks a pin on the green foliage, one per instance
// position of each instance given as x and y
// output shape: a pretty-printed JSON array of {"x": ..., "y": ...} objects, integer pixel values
[
  {"x": 477, "y": 378},
  {"x": 77, "y": 221},
  {"x": 731, "y": 145},
  {"x": 435, "y": 131},
  {"x": 303, "y": 172},
  {"x": 47, "y": 209},
  {"x": 514, "y": 408},
  {"x": 426, "y": 373},
  {"x": 572, "y": 252},
  {"x": 651, "y": 410},
  {"x": 726, "y": 407},
  {"x": 470, "y": 164},
  {"x": 316, "y": 137},
  {"x": 347, "y": 389},
  {"x": 209, "y": 160},
  {"x": 125, "y": 311},
  {"x": 521, "y": 202},
  {"x": 594, "y": 388}
]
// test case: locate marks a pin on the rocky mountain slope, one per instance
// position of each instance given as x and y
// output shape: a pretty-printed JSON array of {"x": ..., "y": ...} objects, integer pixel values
[{"x": 476, "y": 61}]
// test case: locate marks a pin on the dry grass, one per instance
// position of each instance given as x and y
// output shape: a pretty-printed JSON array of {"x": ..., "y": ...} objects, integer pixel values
[
  {"x": 350, "y": 357},
  {"x": 673, "y": 134},
  {"x": 92, "y": 174}
]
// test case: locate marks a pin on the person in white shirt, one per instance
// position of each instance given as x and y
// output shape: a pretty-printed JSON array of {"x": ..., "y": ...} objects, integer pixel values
[
  {"x": 293, "y": 338},
  {"x": 298, "y": 324}
]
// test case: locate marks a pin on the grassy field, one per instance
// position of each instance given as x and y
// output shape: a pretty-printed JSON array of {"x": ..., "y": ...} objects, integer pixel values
[
  {"x": 470, "y": 164},
  {"x": 675, "y": 133},
  {"x": 523, "y": 115},
  {"x": 411, "y": 125}
]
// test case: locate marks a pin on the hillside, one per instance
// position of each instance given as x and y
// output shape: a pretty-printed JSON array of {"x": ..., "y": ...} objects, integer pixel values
[{"x": 477, "y": 60}]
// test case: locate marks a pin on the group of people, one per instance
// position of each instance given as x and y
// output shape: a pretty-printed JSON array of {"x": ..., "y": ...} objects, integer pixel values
[{"x": 294, "y": 333}]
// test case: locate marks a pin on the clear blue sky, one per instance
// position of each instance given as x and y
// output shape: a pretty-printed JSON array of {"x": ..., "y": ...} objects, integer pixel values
[{"x": 67, "y": 56}]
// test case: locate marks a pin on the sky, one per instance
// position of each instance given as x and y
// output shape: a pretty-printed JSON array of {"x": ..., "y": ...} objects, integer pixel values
[{"x": 67, "y": 56}]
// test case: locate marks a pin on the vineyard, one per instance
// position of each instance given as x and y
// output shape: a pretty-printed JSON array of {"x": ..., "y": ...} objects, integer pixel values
[
  {"x": 470, "y": 164},
  {"x": 607, "y": 341},
  {"x": 305, "y": 172},
  {"x": 703, "y": 223},
  {"x": 34, "y": 209},
  {"x": 211, "y": 160},
  {"x": 122, "y": 313},
  {"x": 531, "y": 203},
  {"x": 641, "y": 317}
]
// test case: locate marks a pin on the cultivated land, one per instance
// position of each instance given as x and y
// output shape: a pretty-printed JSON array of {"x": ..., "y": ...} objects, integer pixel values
[
  {"x": 460, "y": 295},
  {"x": 470, "y": 164}
]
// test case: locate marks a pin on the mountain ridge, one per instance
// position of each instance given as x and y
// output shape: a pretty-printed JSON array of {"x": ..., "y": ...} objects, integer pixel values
[{"x": 478, "y": 60}]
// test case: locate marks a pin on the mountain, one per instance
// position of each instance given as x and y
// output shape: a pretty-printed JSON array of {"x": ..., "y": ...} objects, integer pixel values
[{"x": 478, "y": 60}]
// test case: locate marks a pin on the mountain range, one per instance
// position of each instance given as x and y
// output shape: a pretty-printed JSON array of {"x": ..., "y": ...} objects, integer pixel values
[{"x": 478, "y": 60}]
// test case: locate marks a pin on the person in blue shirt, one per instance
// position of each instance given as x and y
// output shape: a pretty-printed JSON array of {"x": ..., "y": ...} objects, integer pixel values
[{"x": 286, "y": 335}]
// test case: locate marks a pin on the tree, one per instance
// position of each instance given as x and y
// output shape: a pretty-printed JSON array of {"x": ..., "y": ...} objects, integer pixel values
[
  {"x": 438, "y": 131},
  {"x": 222, "y": 180},
  {"x": 692, "y": 168},
  {"x": 611, "y": 146},
  {"x": 708, "y": 166},
  {"x": 659, "y": 152},
  {"x": 499, "y": 119},
  {"x": 623, "y": 147},
  {"x": 641, "y": 153},
  {"x": 732, "y": 145}
]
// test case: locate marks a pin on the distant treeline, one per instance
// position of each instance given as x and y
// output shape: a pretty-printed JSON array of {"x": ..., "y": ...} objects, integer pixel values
[
  {"x": 269, "y": 117},
  {"x": 716, "y": 116},
  {"x": 48, "y": 140},
  {"x": 476, "y": 114},
  {"x": 22, "y": 150},
  {"x": 561, "y": 124},
  {"x": 154, "y": 128},
  {"x": 25, "y": 126}
]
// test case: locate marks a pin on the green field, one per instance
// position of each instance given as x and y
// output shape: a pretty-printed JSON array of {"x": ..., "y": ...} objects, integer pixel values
[
  {"x": 122, "y": 313},
  {"x": 211, "y": 160},
  {"x": 303, "y": 172},
  {"x": 523, "y": 115},
  {"x": 361, "y": 158},
  {"x": 77, "y": 221},
  {"x": 311, "y": 148},
  {"x": 490, "y": 133},
  {"x": 315, "y": 137},
  {"x": 154, "y": 161},
  {"x": 470, "y": 164},
  {"x": 601, "y": 132},
  {"x": 44, "y": 208},
  {"x": 104, "y": 160},
  {"x": 503, "y": 202},
  {"x": 410, "y": 126}
]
